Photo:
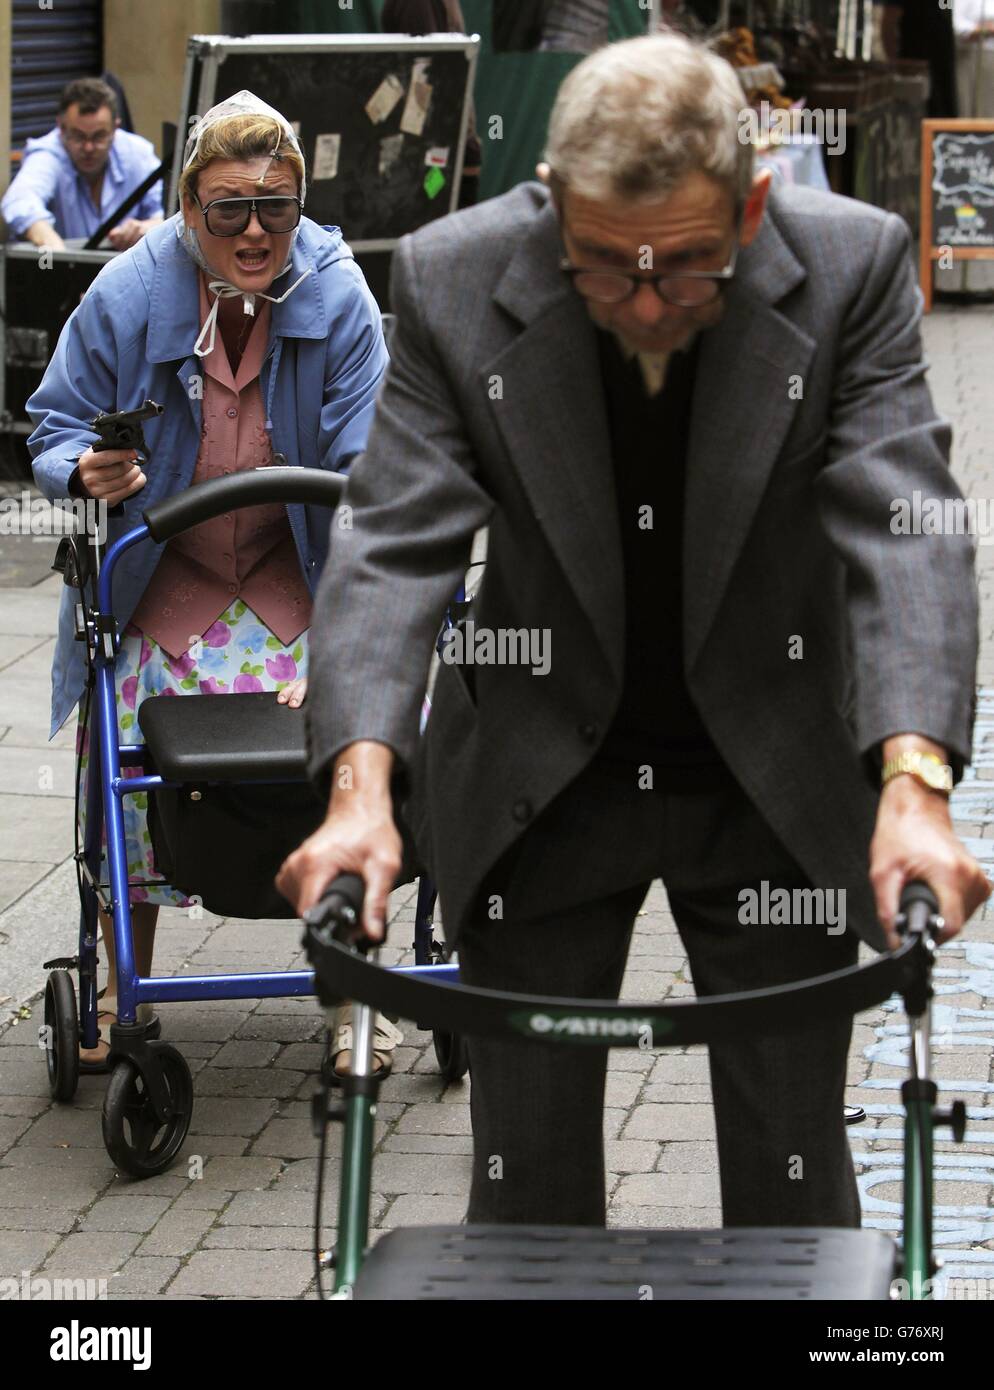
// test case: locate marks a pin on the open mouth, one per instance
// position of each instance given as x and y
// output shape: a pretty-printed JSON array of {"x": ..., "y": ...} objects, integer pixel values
[{"x": 252, "y": 259}]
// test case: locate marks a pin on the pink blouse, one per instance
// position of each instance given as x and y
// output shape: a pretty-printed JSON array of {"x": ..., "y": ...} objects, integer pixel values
[{"x": 248, "y": 554}]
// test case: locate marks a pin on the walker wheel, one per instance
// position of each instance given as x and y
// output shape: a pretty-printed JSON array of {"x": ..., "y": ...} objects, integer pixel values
[
  {"x": 136, "y": 1139},
  {"x": 61, "y": 1035},
  {"x": 451, "y": 1054}
]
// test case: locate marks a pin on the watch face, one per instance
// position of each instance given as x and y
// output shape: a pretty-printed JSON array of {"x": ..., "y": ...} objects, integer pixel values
[
  {"x": 935, "y": 774},
  {"x": 926, "y": 767}
]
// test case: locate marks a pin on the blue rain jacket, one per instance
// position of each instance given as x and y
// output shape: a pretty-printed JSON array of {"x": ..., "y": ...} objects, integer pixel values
[{"x": 131, "y": 338}]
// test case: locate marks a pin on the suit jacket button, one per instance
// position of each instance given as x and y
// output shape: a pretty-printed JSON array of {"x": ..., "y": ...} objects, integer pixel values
[
  {"x": 589, "y": 732},
  {"x": 522, "y": 811}
]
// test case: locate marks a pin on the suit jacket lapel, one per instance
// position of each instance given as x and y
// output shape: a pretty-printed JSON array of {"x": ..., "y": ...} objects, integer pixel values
[
  {"x": 553, "y": 419},
  {"x": 742, "y": 410}
]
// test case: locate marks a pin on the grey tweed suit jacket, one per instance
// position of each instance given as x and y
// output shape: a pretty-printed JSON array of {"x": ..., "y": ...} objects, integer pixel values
[{"x": 811, "y": 414}]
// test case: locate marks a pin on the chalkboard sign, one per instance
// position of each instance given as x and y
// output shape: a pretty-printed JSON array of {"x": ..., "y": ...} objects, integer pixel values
[
  {"x": 382, "y": 119},
  {"x": 957, "y": 195}
]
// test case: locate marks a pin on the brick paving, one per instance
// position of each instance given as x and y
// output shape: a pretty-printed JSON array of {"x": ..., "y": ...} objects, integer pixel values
[{"x": 233, "y": 1217}]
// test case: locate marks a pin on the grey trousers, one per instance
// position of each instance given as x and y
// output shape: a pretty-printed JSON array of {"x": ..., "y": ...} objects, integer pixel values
[{"x": 571, "y": 897}]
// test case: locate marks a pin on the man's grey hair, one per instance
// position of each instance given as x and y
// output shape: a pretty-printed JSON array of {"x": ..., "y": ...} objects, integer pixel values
[{"x": 635, "y": 118}]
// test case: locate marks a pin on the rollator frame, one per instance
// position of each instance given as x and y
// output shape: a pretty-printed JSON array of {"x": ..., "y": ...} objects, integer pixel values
[{"x": 337, "y": 949}]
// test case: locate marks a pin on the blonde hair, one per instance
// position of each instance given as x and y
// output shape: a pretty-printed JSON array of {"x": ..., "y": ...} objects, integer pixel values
[
  {"x": 635, "y": 118},
  {"x": 240, "y": 137}
]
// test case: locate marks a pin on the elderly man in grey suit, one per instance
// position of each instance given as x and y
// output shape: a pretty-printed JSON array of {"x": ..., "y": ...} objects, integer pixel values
[{"x": 686, "y": 404}]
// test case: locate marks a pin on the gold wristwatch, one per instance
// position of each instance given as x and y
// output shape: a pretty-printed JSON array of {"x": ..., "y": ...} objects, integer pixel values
[{"x": 931, "y": 771}]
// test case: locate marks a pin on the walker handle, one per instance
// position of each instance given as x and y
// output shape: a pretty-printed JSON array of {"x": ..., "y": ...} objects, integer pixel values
[
  {"x": 253, "y": 487},
  {"x": 918, "y": 907},
  {"x": 338, "y": 913}
]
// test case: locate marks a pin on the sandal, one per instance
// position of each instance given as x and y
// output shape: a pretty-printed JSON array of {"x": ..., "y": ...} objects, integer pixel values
[
  {"x": 385, "y": 1039},
  {"x": 100, "y": 1066}
]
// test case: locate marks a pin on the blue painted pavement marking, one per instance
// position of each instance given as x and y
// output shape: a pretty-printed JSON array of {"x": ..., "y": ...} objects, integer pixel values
[{"x": 963, "y": 979}]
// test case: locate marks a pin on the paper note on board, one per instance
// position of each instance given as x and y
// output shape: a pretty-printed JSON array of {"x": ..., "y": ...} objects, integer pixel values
[
  {"x": 390, "y": 151},
  {"x": 418, "y": 99},
  {"x": 326, "y": 151},
  {"x": 434, "y": 182},
  {"x": 384, "y": 99},
  {"x": 437, "y": 158}
]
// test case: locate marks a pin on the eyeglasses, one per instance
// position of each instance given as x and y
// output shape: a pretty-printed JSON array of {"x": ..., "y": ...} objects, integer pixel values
[
  {"x": 78, "y": 140},
  {"x": 230, "y": 216},
  {"x": 689, "y": 290}
]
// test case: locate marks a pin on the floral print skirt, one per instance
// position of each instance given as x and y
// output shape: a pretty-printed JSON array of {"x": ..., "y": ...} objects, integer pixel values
[{"x": 237, "y": 654}]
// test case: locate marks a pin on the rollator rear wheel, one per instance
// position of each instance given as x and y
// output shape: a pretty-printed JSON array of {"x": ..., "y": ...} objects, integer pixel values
[
  {"x": 61, "y": 1035},
  {"x": 451, "y": 1054},
  {"x": 137, "y": 1141}
]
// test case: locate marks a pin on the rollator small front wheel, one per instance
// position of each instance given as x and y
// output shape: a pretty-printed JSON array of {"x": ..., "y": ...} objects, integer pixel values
[
  {"x": 137, "y": 1140},
  {"x": 60, "y": 1035},
  {"x": 451, "y": 1054}
]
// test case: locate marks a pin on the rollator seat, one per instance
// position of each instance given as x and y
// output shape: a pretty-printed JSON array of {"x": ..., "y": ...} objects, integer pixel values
[
  {"x": 577, "y": 1262},
  {"x": 224, "y": 738}
]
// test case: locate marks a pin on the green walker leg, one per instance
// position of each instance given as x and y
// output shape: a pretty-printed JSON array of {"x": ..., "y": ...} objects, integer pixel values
[{"x": 361, "y": 1089}]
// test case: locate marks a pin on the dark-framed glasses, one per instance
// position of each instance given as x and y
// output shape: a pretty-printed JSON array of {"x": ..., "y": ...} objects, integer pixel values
[
  {"x": 78, "y": 140},
  {"x": 277, "y": 212},
  {"x": 688, "y": 289}
]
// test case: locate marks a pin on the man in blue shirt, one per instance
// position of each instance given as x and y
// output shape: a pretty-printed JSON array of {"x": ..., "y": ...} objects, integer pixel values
[{"x": 71, "y": 179}]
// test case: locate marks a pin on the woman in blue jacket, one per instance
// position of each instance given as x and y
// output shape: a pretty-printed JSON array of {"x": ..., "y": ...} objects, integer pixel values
[{"x": 255, "y": 329}]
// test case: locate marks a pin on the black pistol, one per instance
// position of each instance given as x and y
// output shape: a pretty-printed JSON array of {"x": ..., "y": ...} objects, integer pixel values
[{"x": 122, "y": 429}]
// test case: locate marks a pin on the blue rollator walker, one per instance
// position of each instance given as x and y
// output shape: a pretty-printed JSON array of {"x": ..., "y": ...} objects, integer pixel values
[
  {"x": 201, "y": 749},
  {"x": 561, "y": 1262}
]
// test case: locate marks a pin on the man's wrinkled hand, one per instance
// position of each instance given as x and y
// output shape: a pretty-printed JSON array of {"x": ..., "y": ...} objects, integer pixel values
[
  {"x": 352, "y": 840},
  {"x": 914, "y": 840}
]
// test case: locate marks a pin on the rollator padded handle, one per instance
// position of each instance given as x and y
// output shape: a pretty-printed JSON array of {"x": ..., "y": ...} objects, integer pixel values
[
  {"x": 255, "y": 486},
  {"x": 918, "y": 892},
  {"x": 918, "y": 904},
  {"x": 340, "y": 908}
]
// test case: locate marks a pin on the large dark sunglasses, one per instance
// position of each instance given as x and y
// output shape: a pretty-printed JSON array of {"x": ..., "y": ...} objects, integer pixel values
[{"x": 230, "y": 216}]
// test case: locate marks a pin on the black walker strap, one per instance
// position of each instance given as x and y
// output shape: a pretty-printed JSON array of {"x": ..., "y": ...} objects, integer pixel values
[{"x": 342, "y": 973}]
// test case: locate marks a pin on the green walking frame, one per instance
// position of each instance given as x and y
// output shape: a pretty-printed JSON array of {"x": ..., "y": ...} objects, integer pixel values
[{"x": 462, "y": 1261}]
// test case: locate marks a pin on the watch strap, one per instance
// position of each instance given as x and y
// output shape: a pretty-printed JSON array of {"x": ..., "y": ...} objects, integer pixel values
[{"x": 927, "y": 768}]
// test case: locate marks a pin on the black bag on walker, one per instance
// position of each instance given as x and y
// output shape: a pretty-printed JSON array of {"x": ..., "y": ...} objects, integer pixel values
[{"x": 223, "y": 833}]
